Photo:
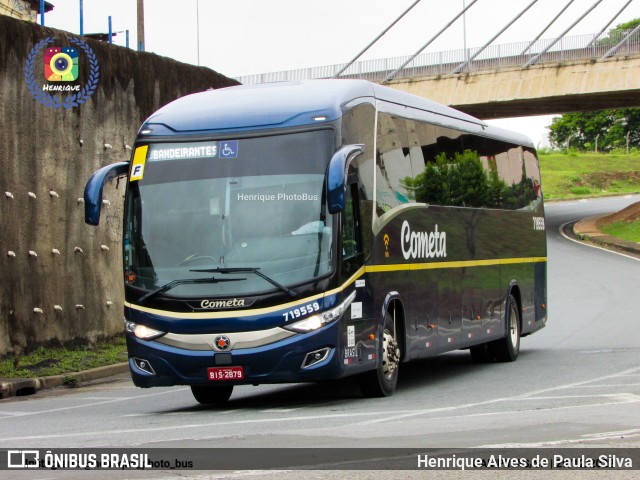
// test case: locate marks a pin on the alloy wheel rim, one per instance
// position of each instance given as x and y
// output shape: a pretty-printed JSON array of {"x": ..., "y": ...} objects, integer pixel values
[
  {"x": 513, "y": 326},
  {"x": 390, "y": 354}
]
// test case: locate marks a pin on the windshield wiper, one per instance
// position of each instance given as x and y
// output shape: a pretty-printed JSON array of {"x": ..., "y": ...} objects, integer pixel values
[
  {"x": 255, "y": 271},
  {"x": 175, "y": 283}
]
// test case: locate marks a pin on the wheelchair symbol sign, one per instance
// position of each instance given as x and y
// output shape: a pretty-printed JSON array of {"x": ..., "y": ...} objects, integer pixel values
[{"x": 229, "y": 149}]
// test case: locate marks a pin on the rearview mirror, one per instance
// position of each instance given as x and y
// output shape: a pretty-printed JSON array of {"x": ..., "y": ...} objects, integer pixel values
[
  {"x": 337, "y": 176},
  {"x": 94, "y": 187}
]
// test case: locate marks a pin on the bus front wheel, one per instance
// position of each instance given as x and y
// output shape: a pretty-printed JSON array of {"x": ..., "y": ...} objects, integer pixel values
[
  {"x": 382, "y": 381},
  {"x": 211, "y": 395}
]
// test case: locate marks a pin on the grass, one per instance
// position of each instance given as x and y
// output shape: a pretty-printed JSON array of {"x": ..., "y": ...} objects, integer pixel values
[
  {"x": 625, "y": 230},
  {"x": 46, "y": 361},
  {"x": 588, "y": 174}
]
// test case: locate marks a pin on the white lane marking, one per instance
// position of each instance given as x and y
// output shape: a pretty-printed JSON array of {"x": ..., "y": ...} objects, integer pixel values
[
  {"x": 534, "y": 393},
  {"x": 594, "y": 246},
  {"x": 622, "y": 397},
  {"x": 553, "y": 443},
  {"x": 208, "y": 425},
  {"x": 103, "y": 398},
  {"x": 399, "y": 414},
  {"x": 615, "y": 399},
  {"x": 576, "y": 384},
  {"x": 611, "y": 385},
  {"x": 93, "y": 404},
  {"x": 616, "y": 434}
]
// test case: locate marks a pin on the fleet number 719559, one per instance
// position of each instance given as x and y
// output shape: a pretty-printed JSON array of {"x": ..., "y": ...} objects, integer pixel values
[{"x": 301, "y": 311}]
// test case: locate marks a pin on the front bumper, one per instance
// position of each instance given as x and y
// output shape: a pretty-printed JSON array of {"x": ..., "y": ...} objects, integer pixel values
[{"x": 280, "y": 362}]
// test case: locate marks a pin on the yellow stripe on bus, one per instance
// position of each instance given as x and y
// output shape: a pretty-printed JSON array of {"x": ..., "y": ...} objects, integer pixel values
[
  {"x": 455, "y": 264},
  {"x": 399, "y": 267}
]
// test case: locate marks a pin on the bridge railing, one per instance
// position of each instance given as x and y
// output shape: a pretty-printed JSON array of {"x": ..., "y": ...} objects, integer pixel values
[{"x": 511, "y": 55}]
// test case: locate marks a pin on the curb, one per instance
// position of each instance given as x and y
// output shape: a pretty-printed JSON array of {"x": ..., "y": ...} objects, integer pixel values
[
  {"x": 587, "y": 229},
  {"x": 16, "y": 387}
]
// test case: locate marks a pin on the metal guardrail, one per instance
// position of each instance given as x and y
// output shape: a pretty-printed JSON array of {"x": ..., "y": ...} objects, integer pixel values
[{"x": 580, "y": 47}]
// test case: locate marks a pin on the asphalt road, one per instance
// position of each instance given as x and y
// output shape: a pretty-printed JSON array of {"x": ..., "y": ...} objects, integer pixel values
[{"x": 575, "y": 384}]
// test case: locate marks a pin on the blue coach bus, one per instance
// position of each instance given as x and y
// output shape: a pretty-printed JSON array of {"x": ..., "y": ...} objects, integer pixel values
[{"x": 300, "y": 232}]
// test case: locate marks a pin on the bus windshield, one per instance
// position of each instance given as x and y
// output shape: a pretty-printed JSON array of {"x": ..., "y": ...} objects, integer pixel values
[{"x": 226, "y": 209}]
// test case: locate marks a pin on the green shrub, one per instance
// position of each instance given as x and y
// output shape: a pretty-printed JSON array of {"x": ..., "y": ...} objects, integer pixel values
[{"x": 581, "y": 190}]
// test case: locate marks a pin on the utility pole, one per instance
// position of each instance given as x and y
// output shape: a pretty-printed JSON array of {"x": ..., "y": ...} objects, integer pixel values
[{"x": 141, "y": 46}]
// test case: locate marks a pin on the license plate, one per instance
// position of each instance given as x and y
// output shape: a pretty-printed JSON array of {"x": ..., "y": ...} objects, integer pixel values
[{"x": 225, "y": 373}]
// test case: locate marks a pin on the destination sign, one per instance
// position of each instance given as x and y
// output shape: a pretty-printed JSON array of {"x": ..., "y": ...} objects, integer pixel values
[{"x": 173, "y": 151}]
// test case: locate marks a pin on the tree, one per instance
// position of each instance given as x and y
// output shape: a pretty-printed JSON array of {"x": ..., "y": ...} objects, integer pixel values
[
  {"x": 463, "y": 181},
  {"x": 616, "y": 34},
  {"x": 608, "y": 129},
  {"x": 459, "y": 181},
  {"x": 601, "y": 130}
]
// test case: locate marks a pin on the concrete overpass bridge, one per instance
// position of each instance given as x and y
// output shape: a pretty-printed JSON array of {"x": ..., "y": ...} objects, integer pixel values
[{"x": 510, "y": 80}]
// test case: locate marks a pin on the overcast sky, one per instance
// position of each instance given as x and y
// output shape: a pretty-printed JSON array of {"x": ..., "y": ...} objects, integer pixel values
[{"x": 241, "y": 37}]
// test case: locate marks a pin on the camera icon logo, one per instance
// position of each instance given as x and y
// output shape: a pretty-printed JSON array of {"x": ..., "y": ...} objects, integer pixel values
[{"x": 61, "y": 64}]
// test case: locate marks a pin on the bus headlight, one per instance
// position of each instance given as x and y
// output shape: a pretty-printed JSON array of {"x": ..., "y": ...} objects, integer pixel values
[
  {"x": 142, "y": 332},
  {"x": 314, "y": 322}
]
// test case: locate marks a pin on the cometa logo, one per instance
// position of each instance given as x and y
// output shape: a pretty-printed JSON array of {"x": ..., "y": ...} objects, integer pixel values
[
  {"x": 234, "y": 302},
  {"x": 422, "y": 244}
]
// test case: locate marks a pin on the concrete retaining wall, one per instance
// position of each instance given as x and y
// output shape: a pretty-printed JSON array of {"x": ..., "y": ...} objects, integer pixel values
[{"x": 61, "y": 280}]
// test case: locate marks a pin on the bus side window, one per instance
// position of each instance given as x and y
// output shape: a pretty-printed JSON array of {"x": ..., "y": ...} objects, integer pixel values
[{"x": 350, "y": 224}]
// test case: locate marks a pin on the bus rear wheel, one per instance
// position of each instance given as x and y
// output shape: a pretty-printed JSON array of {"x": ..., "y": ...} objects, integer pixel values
[
  {"x": 382, "y": 381},
  {"x": 211, "y": 395},
  {"x": 506, "y": 349}
]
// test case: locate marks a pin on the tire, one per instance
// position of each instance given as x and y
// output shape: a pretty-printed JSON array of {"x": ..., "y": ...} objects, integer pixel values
[
  {"x": 506, "y": 349},
  {"x": 382, "y": 381},
  {"x": 211, "y": 395}
]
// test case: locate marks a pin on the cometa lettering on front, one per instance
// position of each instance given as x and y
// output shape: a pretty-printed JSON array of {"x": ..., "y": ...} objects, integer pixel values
[
  {"x": 416, "y": 245},
  {"x": 234, "y": 302}
]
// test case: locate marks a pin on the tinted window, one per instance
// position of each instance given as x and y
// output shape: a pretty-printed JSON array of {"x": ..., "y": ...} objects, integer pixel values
[{"x": 421, "y": 162}]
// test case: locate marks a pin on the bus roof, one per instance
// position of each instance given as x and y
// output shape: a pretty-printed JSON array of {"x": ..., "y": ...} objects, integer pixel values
[{"x": 291, "y": 104}]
